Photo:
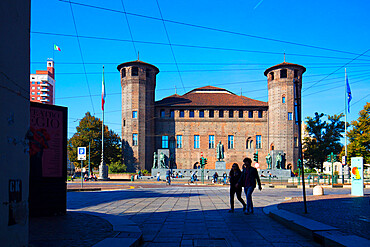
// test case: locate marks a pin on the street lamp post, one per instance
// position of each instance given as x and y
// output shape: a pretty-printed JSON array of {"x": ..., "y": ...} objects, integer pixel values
[{"x": 298, "y": 118}]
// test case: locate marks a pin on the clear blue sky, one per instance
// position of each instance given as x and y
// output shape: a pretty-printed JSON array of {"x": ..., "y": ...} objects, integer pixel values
[{"x": 339, "y": 25}]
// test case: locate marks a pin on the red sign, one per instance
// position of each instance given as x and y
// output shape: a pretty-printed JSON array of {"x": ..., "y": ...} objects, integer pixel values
[{"x": 46, "y": 142}]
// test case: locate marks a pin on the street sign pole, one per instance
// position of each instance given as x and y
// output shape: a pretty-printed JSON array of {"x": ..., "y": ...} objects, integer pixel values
[
  {"x": 82, "y": 178},
  {"x": 332, "y": 168},
  {"x": 81, "y": 155}
]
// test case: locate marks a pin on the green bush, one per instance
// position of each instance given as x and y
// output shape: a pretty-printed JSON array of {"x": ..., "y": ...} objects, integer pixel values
[
  {"x": 145, "y": 172},
  {"x": 117, "y": 167}
]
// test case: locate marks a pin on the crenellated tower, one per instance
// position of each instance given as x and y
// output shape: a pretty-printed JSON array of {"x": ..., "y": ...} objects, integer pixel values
[
  {"x": 138, "y": 81},
  {"x": 283, "y": 132}
]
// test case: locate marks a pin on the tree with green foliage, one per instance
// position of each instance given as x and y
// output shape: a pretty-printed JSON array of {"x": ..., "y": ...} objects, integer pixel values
[
  {"x": 324, "y": 138},
  {"x": 117, "y": 167},
  {"x": 359, "y": 137},
  {"x": 89, "y": 130}
]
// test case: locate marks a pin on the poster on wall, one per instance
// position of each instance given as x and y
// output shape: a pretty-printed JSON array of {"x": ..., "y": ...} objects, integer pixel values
[
  {"x": 357, "y": 176},
  {"x": 46, "y": 142}
]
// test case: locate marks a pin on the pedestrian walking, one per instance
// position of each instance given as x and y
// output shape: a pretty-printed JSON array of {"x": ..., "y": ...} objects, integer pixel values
[
  {"x": 215, "y": 176},
  {"x": 224, "y": 177},
  {"x": 234, "y": 177},
  {"x": 158, "y": 176},
  {"x": 248, "y": 180},
  {"x": 168, "y": 177}
]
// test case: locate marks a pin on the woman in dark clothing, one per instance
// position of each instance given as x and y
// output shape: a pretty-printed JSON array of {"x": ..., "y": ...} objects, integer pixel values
[
  {"x": 234, "y": 177},
  {"x": 249, "y": 179}
]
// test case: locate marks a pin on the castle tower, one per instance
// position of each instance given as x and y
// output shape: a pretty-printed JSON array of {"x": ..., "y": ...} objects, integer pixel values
[
  {"x": 283, "y": 132},
  {"x": 138, "y": 80}
]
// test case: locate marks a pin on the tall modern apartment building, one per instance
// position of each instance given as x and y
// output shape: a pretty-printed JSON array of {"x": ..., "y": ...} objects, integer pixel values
[{"x": 42, "y": 84}]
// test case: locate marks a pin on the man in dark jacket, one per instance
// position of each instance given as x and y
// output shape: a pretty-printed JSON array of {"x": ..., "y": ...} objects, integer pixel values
[{"x": 248, "y": 181}]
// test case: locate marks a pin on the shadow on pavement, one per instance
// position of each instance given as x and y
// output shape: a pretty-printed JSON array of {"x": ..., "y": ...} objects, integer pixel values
[
  {"x": 77, "y": 200},
  {"x": 349, "y": 214},
  {"x": 72, "y": 229}
]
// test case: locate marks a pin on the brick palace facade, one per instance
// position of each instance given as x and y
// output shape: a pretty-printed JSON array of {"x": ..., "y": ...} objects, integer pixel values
[{"x": 192, "y": 124}]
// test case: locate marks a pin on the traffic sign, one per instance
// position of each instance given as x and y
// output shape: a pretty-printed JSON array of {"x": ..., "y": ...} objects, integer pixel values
[{"x": 81, "y": 153}]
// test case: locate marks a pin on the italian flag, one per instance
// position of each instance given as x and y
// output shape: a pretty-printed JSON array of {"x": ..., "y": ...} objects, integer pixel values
[
  {"x": 57, "y": 48},
  {"x": 103, "y": 92}
]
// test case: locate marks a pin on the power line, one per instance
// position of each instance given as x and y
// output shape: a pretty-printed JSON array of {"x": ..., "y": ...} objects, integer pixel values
[
  {"x": 337, "y": 70},
  {"x": 169, "y": 42},
  {"x": 193, "y": 46},
  {"x": 216, "y": 29},
  {"x": 82, "y": 58},
  {"x": 206, "y": 63},
  {"x": 129, "y": 28},
  {"x": 355, "y": 102},
  {"x": 217, "y": 84},
  {"x": 188, "y": 71}
]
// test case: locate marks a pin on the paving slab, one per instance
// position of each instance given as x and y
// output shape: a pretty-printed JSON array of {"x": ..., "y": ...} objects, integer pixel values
[{"x": 176, "y": 216}]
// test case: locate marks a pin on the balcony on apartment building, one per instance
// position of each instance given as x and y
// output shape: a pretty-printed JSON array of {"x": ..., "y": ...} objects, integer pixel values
[
  {"x": 44, "y": 89},
  {"x": 44, "y": 95},
  {"x": 44, "y": 100},
  {"x": 44, "y": 84}
]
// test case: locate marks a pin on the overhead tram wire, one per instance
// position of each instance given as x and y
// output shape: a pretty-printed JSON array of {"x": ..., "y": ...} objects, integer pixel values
[
  {"x": 129, "y": 28},
  {"x": 82, "y": 58},
  {"x": 336, "y": 70},
  {"x": 184, "y": 71},
  {"x": 195, "y": 46},
  {"x": 169, "y": 42},
  {"x": 222, "y": 84},
  {"x": 216, "y": 29},
  {"x": 206, "y": 63},
  {"x": 75, "y": 119},
  {"x": 354, "y": 103}
]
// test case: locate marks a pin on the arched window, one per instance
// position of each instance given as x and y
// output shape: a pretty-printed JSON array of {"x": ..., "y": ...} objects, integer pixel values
[
  {"x": 134, "y": 71},
  {"x": 272, "y": 77},
  {"x": 249, "y": 143},
  {"x": 283, "y": 73}
]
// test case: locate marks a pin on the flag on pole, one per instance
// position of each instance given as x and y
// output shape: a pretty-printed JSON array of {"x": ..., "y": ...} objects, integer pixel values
[
  {"x": 57, "y": 48},
  {"x": 349, "y": 94},
  {"x": 103, "y": 93}
]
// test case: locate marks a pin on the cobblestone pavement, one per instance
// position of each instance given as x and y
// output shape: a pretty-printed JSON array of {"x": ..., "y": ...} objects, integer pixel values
[
  {"x": 350, "y": 214},
  {"x": 195, "y": 216},
  {"x": 72, "y": 229}
]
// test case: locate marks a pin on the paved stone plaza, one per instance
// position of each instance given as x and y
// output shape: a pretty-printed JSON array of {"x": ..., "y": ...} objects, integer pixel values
[{"x": 194, "y": 216}]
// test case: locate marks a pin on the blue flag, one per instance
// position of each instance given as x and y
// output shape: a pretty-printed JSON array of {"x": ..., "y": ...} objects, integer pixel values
[{"x": 349, "y": 94}]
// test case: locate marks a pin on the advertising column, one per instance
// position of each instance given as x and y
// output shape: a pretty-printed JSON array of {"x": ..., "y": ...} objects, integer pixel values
[{"x": 357, "y": 176}]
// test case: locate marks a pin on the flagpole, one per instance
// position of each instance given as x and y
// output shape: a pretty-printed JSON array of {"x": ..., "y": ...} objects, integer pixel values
[
  {"x": 345, "y": 122},
  {"x": 103, "y": 173},
  {"x": 102, "y": 131}
]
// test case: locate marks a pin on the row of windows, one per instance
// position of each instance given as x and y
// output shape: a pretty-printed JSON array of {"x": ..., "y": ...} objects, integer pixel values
[
  {"x": 33, "y": 93},
  {"x": 177, "y": 143},
  {"x": 38, "y": 88},
  {"x": 33, "y": 98},
  {"x": 135, "y": 72},
  {"x": 34, "y": 82},
  {"x": 284, "y": 74},
  {"x": 211, "y": 113},
  {"x": 221, "y": 113}
]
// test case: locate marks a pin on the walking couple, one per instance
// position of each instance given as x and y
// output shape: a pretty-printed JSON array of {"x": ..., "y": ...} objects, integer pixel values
[{"x": 246, "y": 178}]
